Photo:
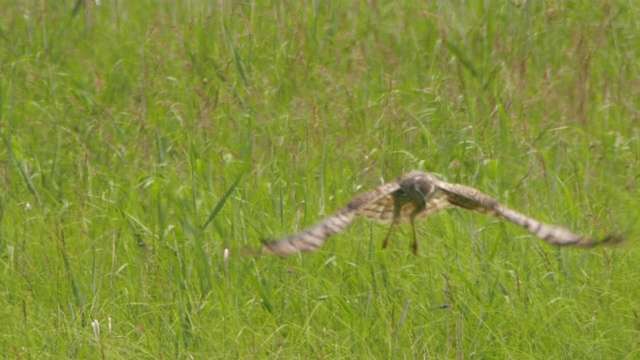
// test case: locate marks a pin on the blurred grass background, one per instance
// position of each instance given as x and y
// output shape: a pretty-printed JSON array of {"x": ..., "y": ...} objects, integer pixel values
[{"x": 128, "y": 126}]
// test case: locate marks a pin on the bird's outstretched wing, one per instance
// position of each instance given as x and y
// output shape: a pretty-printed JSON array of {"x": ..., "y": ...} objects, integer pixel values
[
  {"x": 315, "y": 236},
  {"x": 472, "y": 199}
]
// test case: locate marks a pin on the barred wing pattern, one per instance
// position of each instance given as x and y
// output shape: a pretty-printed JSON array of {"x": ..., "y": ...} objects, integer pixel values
[
  {"x": 315, "y": 236},
  {"x": 472, "y": 199},
  {"x": 417, "y": 195}
]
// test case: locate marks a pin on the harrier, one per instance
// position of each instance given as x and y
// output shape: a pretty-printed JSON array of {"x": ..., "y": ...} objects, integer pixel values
[{"x": 417, "y": 195}]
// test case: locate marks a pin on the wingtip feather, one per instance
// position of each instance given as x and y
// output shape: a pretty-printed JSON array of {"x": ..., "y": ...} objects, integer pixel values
[{"x": 609, "y": 240}]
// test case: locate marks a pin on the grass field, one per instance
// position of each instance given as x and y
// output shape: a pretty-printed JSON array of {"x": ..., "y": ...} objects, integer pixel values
[{"x": 142, "y": 138}]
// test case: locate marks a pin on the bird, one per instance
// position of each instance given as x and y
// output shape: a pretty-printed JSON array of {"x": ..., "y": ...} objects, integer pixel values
[{"x": 416, "y": 195}]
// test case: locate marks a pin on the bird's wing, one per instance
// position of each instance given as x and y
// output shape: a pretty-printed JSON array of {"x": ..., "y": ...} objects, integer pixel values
[
  {"x": 380, "y": 210},
  {"x": 315, "y": 236},
  {"x": 472, "y": 199}
]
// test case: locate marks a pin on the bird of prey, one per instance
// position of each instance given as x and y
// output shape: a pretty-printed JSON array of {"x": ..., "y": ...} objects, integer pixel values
[{"x": 416, "y": 195}]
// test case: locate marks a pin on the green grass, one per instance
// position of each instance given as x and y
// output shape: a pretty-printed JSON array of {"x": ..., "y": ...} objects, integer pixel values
[{"x": 129, "y": 126}]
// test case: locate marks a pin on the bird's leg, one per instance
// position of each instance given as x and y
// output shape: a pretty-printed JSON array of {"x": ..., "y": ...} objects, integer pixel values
[
  {"x": 414, "y": 244},
  {"x": 385, "y": 242},
  {"x": 397, "y": 211}
]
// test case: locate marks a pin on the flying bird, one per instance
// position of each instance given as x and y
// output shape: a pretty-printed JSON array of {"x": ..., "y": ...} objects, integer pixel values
[{"x": 417, "y": 195}]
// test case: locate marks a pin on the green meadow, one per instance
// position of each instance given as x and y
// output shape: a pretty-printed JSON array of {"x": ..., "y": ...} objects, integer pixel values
[{"x": 140, "y": 139}]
